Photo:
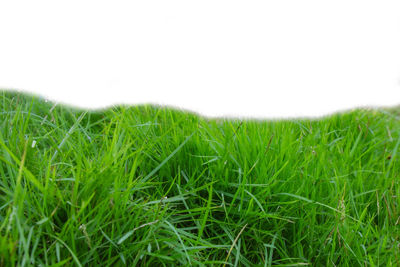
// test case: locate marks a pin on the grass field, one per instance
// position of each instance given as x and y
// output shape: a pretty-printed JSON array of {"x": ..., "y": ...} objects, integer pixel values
[{"x": 152, "y": 186}]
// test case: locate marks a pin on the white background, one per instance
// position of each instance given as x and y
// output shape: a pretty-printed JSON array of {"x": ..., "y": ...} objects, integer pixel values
[{"x": 259, "y": 59}]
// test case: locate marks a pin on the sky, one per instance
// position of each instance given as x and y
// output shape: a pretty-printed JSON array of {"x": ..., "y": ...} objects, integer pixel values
[{"x": 252, "y": 59}]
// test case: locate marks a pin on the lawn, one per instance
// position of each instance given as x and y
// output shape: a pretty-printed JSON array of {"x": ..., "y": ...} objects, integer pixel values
[{"x": 152, "y": 186}]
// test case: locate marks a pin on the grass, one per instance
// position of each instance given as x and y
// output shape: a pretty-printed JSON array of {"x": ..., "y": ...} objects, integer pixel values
[{"x": 154, "y": 186}]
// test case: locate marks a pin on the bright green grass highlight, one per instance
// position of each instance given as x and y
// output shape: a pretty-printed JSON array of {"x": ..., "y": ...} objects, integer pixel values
[{"x": 152, "y": 186}]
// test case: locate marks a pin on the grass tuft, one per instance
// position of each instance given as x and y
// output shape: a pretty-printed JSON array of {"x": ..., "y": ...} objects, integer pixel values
[{"x": 153, "y": 186}]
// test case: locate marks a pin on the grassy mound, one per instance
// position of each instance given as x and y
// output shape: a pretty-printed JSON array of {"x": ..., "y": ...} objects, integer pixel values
[{"x": 153, "y": 186}]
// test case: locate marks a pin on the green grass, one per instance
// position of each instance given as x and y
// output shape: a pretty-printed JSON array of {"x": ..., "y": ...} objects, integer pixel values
[{"x": 153, "y": 186}]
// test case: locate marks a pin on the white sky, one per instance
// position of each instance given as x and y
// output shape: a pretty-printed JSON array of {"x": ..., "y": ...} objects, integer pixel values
[{"x": 259, "y": 59}]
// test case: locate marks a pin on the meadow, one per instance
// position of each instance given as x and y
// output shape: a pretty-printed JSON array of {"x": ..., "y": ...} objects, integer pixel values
[{"x": 155, "y": 186}]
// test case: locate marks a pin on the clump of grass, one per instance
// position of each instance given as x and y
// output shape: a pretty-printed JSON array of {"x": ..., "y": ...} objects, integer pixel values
[{"x": 153, "y": 186}]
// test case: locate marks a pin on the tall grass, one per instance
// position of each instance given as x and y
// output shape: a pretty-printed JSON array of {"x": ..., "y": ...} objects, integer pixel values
[{"x": 153, "y": 186}]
